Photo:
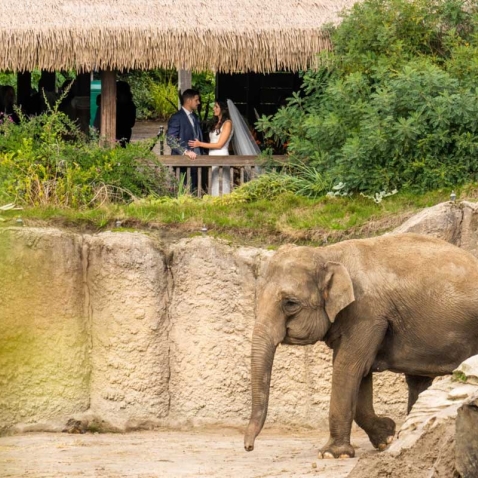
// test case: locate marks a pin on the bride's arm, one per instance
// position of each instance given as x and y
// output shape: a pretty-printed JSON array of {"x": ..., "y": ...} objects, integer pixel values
[{"x": 223, "y": 137}]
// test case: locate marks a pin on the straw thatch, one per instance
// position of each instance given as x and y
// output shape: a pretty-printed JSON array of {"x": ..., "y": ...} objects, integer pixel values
[{"x": 219, "y": 35}]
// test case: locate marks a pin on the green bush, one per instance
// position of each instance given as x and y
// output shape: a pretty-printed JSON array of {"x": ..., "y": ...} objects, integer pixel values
[
  {"x": 140, "y": 83},
  {"x": 155, "y": 92},
  {"x": 46, "y": 160},
  {"x": 164, "y": 99},
  {"x": 299, "y": 179},
  {"x": 395, "y": 104}
]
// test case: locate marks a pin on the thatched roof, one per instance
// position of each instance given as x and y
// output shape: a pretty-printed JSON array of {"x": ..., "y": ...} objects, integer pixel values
[{"x": 222, "y": 35}]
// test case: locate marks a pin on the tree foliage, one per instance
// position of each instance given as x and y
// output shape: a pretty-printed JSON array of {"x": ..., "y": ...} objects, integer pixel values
[
  {"x": 395, "y": 104},
  {"x": 155, "y": 92}
]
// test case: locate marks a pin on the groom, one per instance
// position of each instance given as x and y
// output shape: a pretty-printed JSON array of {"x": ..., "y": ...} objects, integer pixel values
[{"x": 184, "y": 126}]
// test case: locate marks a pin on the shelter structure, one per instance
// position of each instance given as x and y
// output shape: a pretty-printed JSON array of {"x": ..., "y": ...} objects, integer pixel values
[{"x": 237, "y": 36}]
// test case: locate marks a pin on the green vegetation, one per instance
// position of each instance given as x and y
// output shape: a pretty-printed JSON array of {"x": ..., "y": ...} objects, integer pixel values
[
  {"x": 395, "y": 105},
  {"x": 460, "y": 377},
  {"x": 61, "y": 178},
  {"x": 9, "y": 78},
  {"x": 155, "y": 92},
  {"x": 46, "y": 161},
  {"x": 393, "y": 108},
  {"x": 273, "y": 221}
]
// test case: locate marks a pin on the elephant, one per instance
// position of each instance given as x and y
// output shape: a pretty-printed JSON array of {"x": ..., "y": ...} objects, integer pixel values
[{"x": 406, "y": 303}]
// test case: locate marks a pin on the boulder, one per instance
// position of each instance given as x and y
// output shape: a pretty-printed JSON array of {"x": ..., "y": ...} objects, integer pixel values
[
  {"x": 442, "y": 221},
  {"x": 466, "y": 439},
  {"x": 455, "y": 223},
  {"x": 438, "y": 437}
]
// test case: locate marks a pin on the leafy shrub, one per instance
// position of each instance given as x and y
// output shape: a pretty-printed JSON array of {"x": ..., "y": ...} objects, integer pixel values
[
  {"x": 140, "y": 83},
  {"x": 164, "y": 99},
  {"x": 300, "y": 179},
  {"x": 395, "y": 104},
  {"x": 46, "y": 160},
  {"x": 155, "y": 92},
  {"x": 265, "y": 186}
]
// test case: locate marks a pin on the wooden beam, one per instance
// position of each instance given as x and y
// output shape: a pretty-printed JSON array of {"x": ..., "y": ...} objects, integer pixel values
[
  {"x": 184, "y": 82},
  {"x": 108, "y": 106},
  {"x": 200, "y": 161}
]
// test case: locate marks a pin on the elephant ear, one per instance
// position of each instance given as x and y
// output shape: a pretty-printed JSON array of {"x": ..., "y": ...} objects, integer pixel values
[{"x": 338, "y": 290}]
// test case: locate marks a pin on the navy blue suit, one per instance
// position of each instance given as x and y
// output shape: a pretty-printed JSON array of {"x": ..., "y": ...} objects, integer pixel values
[{"x": 181, "y": 129}]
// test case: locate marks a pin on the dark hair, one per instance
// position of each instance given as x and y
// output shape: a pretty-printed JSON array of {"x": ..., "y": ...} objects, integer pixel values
[
  {"x": 216, "y": 124},
  {"x": 188, "y": 94}
]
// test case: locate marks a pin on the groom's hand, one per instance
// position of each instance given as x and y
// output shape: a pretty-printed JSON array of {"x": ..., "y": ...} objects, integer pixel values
[{"x": 190, "y": 154}]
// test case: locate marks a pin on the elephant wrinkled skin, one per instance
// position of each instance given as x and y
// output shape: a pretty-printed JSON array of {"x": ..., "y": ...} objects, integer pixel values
[{"x": 405, "y": 303}]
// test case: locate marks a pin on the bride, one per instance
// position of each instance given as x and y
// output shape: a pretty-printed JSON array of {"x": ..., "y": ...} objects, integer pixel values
[{"x": 220, "y": 136}]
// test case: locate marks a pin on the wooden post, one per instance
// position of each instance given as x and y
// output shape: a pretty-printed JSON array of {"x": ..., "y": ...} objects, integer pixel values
[
  {"x": 108, "y": 106},
  {"x": 184, "y": 82},
  {"x": 231, "y": 179},
  {"x": 199, "y": 182},
  {"x": 24, "y": 88},
  {"x": 82, "y": 100},
  {"x": 188, "y": 180}
]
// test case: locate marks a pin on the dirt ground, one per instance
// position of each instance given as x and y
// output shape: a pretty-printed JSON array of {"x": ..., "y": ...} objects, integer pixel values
[
  {"x": 166, "y": 453},
  {"x": 433, "y": 456}
]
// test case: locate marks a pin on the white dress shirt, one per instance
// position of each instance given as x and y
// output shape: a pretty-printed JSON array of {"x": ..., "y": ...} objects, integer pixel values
[{"x": 190, "y": 117}]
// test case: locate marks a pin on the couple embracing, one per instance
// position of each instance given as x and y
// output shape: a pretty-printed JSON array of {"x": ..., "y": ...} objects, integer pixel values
[{"x": 185, "y": 135}]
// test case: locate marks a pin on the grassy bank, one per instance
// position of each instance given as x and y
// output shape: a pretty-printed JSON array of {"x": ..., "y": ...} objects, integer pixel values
[{"x": 288, "y": 218}]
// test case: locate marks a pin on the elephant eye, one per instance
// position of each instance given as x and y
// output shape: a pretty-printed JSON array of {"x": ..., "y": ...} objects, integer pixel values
[{"x": 290, "y": 306}]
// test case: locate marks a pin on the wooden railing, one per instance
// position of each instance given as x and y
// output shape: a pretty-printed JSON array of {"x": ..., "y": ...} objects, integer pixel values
[{"x": 241, "y": 170}]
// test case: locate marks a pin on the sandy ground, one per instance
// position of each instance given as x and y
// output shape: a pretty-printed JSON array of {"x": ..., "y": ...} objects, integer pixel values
[{"x": 166, "y": 453}]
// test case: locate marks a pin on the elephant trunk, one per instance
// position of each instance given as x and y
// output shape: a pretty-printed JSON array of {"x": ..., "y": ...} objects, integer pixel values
[{"x": 262, "y": 358}]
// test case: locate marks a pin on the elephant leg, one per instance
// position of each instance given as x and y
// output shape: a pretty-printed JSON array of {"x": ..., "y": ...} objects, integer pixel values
[
  {"x": 342, "y": 410},
  {"x": 380, "y": 430},
  {"x": 352, "y": 360},
  {"x": 416, "y": 385}
]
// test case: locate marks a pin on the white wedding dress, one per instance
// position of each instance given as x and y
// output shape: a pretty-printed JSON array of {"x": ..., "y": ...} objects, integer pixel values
[{"x": 226, "y": 170}]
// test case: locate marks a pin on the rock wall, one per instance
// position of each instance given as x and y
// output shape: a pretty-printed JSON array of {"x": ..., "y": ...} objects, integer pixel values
[
  {"x": 45, "y": 342},
  {"x": 127, "y": 296},
  {"x": 133, "y": 333}
]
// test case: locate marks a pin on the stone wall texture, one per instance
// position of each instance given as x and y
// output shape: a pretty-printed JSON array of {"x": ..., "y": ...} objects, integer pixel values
[
  {"x": 122, "y": 329},
  {"x": 45, "y": 346},
  {"x": 127, "y": 296}
]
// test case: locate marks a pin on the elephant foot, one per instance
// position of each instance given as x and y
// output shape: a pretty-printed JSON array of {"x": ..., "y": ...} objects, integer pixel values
[
  {"x": 333, "y": 450},
  {"x": 382, "y": 432}
]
